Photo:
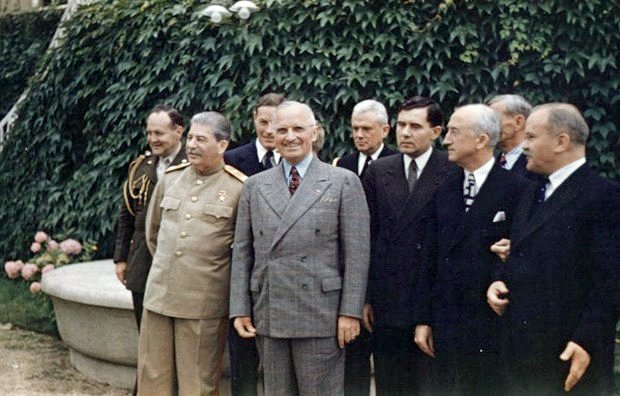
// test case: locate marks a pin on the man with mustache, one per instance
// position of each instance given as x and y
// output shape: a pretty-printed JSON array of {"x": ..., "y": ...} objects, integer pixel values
[{"x": 189, "y": 229}]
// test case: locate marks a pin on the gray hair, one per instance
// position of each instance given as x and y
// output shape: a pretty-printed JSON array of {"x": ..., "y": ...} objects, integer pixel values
[
  {"x": 514, "y": 104},
  {"x": 216, "y": 121},
  {"x": 372, "y": 106},
  {"x": 292, "y": 103},
  {"x": 486, "y": 121},
  {"x": 564, "y": 117}
]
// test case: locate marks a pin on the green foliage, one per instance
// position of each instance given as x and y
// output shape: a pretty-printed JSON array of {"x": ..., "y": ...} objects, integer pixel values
[
  {"x": 24, "y": 309},
  {"x": 84, "y": 119},
  {"x": 24, "y": 37}
]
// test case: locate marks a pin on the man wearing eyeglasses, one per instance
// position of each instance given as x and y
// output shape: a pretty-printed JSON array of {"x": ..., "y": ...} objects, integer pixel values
[{"x": 300, "y": 262}]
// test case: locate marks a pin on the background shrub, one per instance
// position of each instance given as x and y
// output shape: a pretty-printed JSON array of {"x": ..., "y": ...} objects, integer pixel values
[
  {"x": 24, "y": 37},
  {"x": 64, "y": 163}
]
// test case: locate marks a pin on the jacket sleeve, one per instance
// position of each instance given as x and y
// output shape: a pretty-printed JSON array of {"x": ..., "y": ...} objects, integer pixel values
[
  {"x": 124, "y": 230},
  {"x": 428, "y": 268}
]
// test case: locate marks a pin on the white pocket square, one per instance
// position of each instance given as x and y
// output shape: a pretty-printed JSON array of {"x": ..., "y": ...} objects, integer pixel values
[{"x": 499, "y": 216}]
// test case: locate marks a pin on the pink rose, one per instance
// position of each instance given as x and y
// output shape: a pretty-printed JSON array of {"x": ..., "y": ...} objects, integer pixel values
[
  {"x": 19, "y": 264},
  {"x": 71, "y": 247},
  {"x": 35, "y": 247},
  {"x": 52, "y": 245},
  {"x": 10, "y": 267},
  {"x": 29, "y": 270},
  {"x": 35, "y": 287},
  {"x": 40, "y": 237},
  {"x": 47, "y": 268}
]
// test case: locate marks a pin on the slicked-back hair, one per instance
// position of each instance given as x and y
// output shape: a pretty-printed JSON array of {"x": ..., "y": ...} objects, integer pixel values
[
  {"x": 270, "y": 99},
  {"x": 564, "y": 117},
  {"x": 486, "y": 121},
  {"x": 175, "y": 116},
  {"x": 216, "y": 121},
  {"x": 434, "y": 114},
  {"x": 513, "y": 104},
  {"x": 374, "y": 107}
]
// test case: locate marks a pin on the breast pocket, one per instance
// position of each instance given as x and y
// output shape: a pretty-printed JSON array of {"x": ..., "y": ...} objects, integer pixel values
[
  {"x": 170, "y": 203},
  {"x": 217, "y": 213}
]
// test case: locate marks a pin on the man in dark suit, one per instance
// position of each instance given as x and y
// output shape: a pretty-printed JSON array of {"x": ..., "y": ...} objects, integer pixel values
[
  {"x": 513, "y": 110},
  {"x": 470, "y": 211},
  {"x": 251, "y": 158},
  {"x": 164, "y": 128},
  {"x": 557, "y": 287},
  {"x": 260, "y": 153},
  {"x": 398, "y": 188},
  {"x": 370, "y": 126},
  {"x": 300, "y": 262}
]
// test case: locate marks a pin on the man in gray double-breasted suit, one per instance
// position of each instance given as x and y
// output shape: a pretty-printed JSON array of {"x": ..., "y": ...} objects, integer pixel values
[{"x": 300, "y": 262}]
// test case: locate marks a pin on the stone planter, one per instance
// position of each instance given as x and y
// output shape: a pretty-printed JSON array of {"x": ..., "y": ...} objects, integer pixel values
[{"x": 95, "y": 319}]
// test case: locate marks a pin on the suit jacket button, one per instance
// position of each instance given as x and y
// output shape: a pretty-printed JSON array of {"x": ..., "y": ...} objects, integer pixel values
[
  {"x": 418, "y": 246},
  {"x": 303, "y": 259},
  {"x": 304, "y": 286},
  {"x": 260, "y": 232},
  {"x": 317, "y": 232},
  {"x": 183, "y": 234}
]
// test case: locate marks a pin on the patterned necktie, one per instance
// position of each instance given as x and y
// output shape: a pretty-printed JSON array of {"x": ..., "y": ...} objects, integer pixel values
[
  {"x": 503, "y": 161},
  {"x": 293, "y": 184},
  {"x": 267, "y": 160},
  {"x": 368, "y": 161},
  {"x": 470, "y": 191},
  {"x": 413, "y": 175}
]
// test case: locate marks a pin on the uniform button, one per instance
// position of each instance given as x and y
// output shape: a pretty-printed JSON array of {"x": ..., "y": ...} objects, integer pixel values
[
  {"x": 199, "y": 182},
  {"x": 183, "y": 234},
  {"x": 188, "y": 216},
  {"x": 194, "y": 199},
  {"x": 178, "y": 253}
]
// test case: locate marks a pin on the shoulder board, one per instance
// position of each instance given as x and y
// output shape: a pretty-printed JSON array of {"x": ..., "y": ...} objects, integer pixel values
[
  {"x": 236, "y": 173},
  {"x": 177, "y": 167},
  {"x": 335, "y": 161}
]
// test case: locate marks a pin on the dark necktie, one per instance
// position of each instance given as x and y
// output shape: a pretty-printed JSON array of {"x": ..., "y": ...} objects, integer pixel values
[
  {"x": 470, "y": 191},
  {"x": 365, "y": 168},
  {"x": 503, "y": 161},
  {"x": 412, "y": 178},
  {"x": 539, "y": 196},
  {"x": 267, "y": 160},
  {"x": 293, "y": 184}
]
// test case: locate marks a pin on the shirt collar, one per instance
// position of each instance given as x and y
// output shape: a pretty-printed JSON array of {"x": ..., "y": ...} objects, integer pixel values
[
  {"x": 559, "y": 176},
  {"x": 481, "y": 173},
  {"x": 361, "y": 160},
  {"x": 302, "y": 166},
  {"x": 173, "y": 155},
  {"x": 420, "y": 161},
  {"x": 513, "y": 155},
  {"x": 261, "y": 151}
]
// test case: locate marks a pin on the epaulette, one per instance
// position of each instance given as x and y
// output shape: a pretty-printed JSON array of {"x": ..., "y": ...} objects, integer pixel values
[
  {"x": 236, "y": 173},
  {"x": 177, "y": 167},
  {"x": 335, "y": 161}
]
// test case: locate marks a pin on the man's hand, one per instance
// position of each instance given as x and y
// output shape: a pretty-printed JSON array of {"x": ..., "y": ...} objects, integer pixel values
[
  {"x": 423, "y": 337},
  {"x": 502, "y": 248},
  {"x": 121, "y": 268},
  {"x": 580, "y": 360},
  {"x": 244, "y": 327},
  {"x": 369, "y": 317},
  {"x": 348, "y": 330},
  {"x": 497, "y": 297}
]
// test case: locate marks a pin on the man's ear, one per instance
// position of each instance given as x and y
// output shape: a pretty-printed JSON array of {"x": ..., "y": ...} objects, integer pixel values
[
  {"x": 483, "y": 141},
  {"x": 385, "y": 128},
  {"x": 222, "y": 145},
  {"x": 562, "y": 143},
  {"x": 436, "y": 132}
]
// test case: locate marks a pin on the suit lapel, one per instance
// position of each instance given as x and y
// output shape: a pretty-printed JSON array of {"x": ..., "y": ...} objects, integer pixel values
[
  {"x": 310, "y": 190},
  {"x": 275, "y": 190},
  {"x": 395, "y": 185},
  {"x": 422, "y": 193},
  {"x": 567, "y": 192}
]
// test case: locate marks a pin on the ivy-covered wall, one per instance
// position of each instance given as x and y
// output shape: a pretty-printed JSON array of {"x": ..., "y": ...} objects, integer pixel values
[
  {"x": 64, "y": 163},
  {"x": 24, "y": 37}
]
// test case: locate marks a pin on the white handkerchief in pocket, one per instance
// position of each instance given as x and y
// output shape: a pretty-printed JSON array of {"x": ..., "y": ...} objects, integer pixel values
[{"x": 499, "y": 216}]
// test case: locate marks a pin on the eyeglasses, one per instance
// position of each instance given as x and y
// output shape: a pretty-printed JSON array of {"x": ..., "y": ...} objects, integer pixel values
[{"x": 296, "y": 129}]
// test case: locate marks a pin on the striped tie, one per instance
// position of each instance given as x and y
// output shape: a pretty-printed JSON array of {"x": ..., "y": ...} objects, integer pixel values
[{"x": 470, "y": 191}]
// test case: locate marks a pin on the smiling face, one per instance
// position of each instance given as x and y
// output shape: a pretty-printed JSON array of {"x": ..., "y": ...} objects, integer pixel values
[
  {"x": 368, "y": 133},
  {"x": 295, "y": 131},
  {"x": 203, "y": 150},
  {"x": 414, "y": 134},
  {"x": 162, "y": 135},
  {"x": 263, "y": 117}
]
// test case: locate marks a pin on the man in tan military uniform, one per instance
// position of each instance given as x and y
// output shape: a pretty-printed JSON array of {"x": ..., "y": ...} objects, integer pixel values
[
  {"x": 164, "y": 129},
  {"x": 189, "y": 230}
]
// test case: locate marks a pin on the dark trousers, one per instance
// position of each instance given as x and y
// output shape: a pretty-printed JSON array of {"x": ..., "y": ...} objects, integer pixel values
[
  {"x": 138, "y": 306},
  {"x": 357, "y": 365},
  {"x": 401, "y": 368},
  {"x": 475, "y": 374},
  {"x": 244, "y": 363}
]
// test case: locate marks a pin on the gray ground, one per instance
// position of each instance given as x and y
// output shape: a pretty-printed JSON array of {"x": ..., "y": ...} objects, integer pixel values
[{"x": 37, "y": 364}]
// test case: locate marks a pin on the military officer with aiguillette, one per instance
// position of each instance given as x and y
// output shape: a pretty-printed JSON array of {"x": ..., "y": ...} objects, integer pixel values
[
  {"x": 189, "y": 229},
  {"x": 164, "y": 129}
]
